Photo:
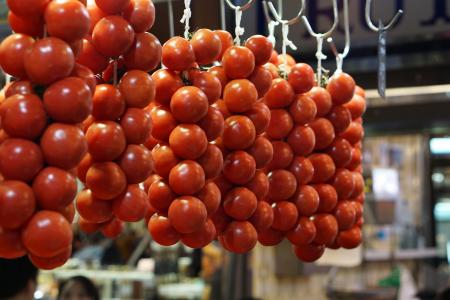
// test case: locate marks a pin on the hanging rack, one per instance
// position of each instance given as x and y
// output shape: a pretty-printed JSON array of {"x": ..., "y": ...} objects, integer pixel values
[
  {"x": 340, "y": 56},
  {"x": 383, "y": 27},
  {"x": 241, "y": 8},
  {"x": 278, "y": 15},
  {"x": 239, "y": 31}
]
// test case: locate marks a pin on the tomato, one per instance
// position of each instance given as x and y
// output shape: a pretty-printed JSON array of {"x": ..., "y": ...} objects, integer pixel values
[
  {"x": 261, "y": 47},
  {"x": 259, "y": 114},
  {"x": 239, "y": 167},
  {"x": 226, "y": 40},
  {"x": 188, "y": 141},
  {"x": 140, "y": 14},
  {"x": 355, "y": 160},
  {"x": 47, "y": 234},
  {"x": 360, "y": 91},
  {"x": 163, "y": 123},
  {"x": 259, "y": 185},
  {"x": 84, "y": 166},
  {"x": 50, "y": 263},
  {"x": 112, "y": 229},
  {"x": 240, "y": 203},
  {"x": 95, "y": 14},
  {"x": 201, "y": 237},
  {"x": 238, "y": 62},
  {"x": 212, "y": 124},
  {"x": 67, "y": 20},
  {"x": 272, "y": 69},
  {"x": 309, "y": 253},
  {"x": 164, "y": 160},
  {"x": 178, "y": 54},
  {"x": 322, "y": 99},
  {"x": 220, "y": 220},
  {"x": 327, "y": 229},
  {"x": 211, "y": 161},
  {"x": 87, "y": 75},
  {"x": 207, "y": 46},
  {"x": 112, "y": 7},
  {"x": 106, "y": 180},
  {"x": 23, "y": 116},
  {"x": 48, "y": 49},
  {"x": 340, "y": 117},
  {"x": 280, "y": 125},
  {"x": 88, "y": 227},
  {"x": 303, "y": 233},
  {"x": 210, "y": 196},
  {"x": 20, "y": 159},
  {"x": 239, "y": 132},
  {"x": 69, "y": 212},
  {"x": 160, "y": 196},
  {"x": 76, "y": 47},
  {"x": 263, "y": 216},
  {"x": 324, "y": 167},
  {"x": 113, "y": 36},
  {"x": 106, "y": 140},
  {"x": 220, "y": 74},
  {"x": 166, "y": 84},
  {"x": 302, "y": 78},
  {"x": 91, "y": 58},
  {"x": 356, "y": 106},
  {"x": 11, "y": 244},
  {"x": 302, "y": 140},
  {"x": 208, "y": 83},
  {"x": 131, "y": 206},
  {"x": 285, "y": 215},
  {"x": 354, "y": 133},
  {"x": 17, "y": 204},
  {"x": 187, "y": 214},
  {"x": 92, "y": 209},
  {"x": 12, "y": 52},
  {"x": 27, "y": 8},
  {"x": 345, "y": 215},
  {"x": 262, "y": 80},
  {"x": 307, "y": 200},
  {"x": 240, "y": 236},
  {"x": 187, "y": 178},
  {"x": 341, "y": 152},
  {"x": 22, "y": 87},
  {"x": 189, "y": 104},
  {"x": 137, "y": 88},
  {"x": 144, "y": 54},
  {"x": 282, "y": 185},
  {"x": 359, "y": 185},
  {"x": 274, "y": 57},
  {"x": 262, "y": 151},
  {"x": 270, "y": 237},
  {"x": 303, "y": 169},
  {"x": 328, "y": 197},
  {"x": 54, "y": 188},
  {"x": 290, "y": 60},
  {"x": 137, "y": 125},
  {"x": 148, "y": 182},
  {"x": 280, "y": 94},
  {"x": 341, "y": 87},
  {"x": 350, "y": 238},
  {"x": 136, "y": 163},
  {"x": 162, "y": 231},
  {"x": 343, "y": 183},
  {"x": 303, "y": 110},
  {"x": 240, "y": 95},
  {"x": 324, "y": 132},
  {"x": 33, "y": 27}
]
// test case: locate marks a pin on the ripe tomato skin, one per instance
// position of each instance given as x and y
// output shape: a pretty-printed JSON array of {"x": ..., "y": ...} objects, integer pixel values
[
  {"x": 240, "y": 236},
  {"x": 160, "y": 196},
  {"x": 137, "y": 125},
  {"x": 303, "y": 233},
  {"x": 282, "y": 185},
  {"x": 359, "y": 185},
  {"x": 21, "y": 87},
  {"x": 113, "y": 228},
  {"x": 309, "y": 253},
  {"x": 354, "y": 133},
  {"x": 27, "y": 8},
  {"x": 240, "y": 95},
  {"x": 11, "y": 244},
  {"x": 17, "y": 204},
  {"x": 259, "y": 185},
  {"x": 239, "y": 167},
  {"x": 302, "y": 140},
  {"x": 211, "y": 161},
  {"x": 163, "y": 123},
  {"x": 272, "y": 69},
  {"x": 68, "y": 100},
  {"x": 212, "y": 124},
  {"x": 324, "y": 132},
  {"x": 20, "y": 160},
  {"x": 280, "y": 94},
  {"x": 201, "y": 237},
  {"x": 187, "y": 178},
  {"x": 88, "y": 227},
  {"x": 328, "y": 197},
  {"x": 340, "y": 117},
  {"x": 67, "y": 20},
  {"x": 23, "y": 116},
  {"x": 341, "y": 152},
  {"x": 49, "y": 49},
  {"x": 302, "y": 78},
  {"x": 12, "y": 51},
  {"x": 207, "y": 46},
  {"x": 106, "y": 140},
  {"x": 262, "y": 80},
  {"x": 33, "y": 27},
  {"x": 189, "y": 104},
  {"x": 270, "y": 237},
  {"x": 280, "y": 125},
  {"x": 238, "y": 62},
  {"x": 303, "y": 169},
  {"x": 341, "y": 87},
  {"x": 69, "y": 212},
  {"x": 220, "y": 74},
  {"x": 307, "y": 200},
  {"x": 345, "y": 215},
  {"x": 323, "y": 101},
  {"x": 92, "y": 209},
  {"x": 91, "y": 58},
  {"x": 137, "y": 88},
  {"x": 263, "y": 216},
  {"x": 356, "y": 106},
  {"x": 162, "y": 231},
  {"x": 262, "y": 151},
  {"x": 289, "y": 58},
  {"x": 50, "y": 263},
  {"x": 210, "y": 196},
  {"x": 178, "y": 54},
  {"x": 350, "y": 238},
  {"x": 131, "y": 206},
  {"x": 140, "y": 14},
  {"x": 355, "y": 160},
  {"x": 113, "y": 36},
  {"x": 239, "y": 132},
  {"x": 259, "y": 114},
  {"x": 327, "y": 229},
  {"x": 240, "y": 203},
  {"x": 136, "y": 163},
  {"x": 187, "y": 214},
  {"x": 343, "y": 182},
  {"x": 188, "y": 141},
  {"x": 54, "y": 188},
  {"x": 164, "y": 160},
  {"x": 167, "y": 82},
  {"x": 144, "y": 54},
  {"x": 107, "y": 103},
  {"x": 303, "y": 109},
  {"x": 112, "y": 7},
  {"x": 285, "y": 215},
  {"x": 261, "y": 47},
  {"x": 220, "y": 220},
  {"x": 226, "y": 40},
  {"x": 47, "y": 234},
  {"x": 106, "y": 180},
  {"x": 282, "y": 155},
  {"x": 95, "y": 14}
]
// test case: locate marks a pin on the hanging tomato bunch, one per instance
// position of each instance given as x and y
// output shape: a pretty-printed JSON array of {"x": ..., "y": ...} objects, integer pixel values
[{"x": 42, "y": 142}]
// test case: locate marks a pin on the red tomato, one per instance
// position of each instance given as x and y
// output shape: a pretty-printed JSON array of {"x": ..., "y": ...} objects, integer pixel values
[
  {"x": 187, "y": 214},
  {"x": 285, "y": 215},
  {"x": 260, "y": 116},
  {"x": 340, "y": 117},
  {"x": 137, "y": 125},
  {"x": 302, "y": 140},
  {"x": 188, "y": 141},
  {"x": 210, "y": 196},
  {"x": 226, "y": 41},
  {"x": 341, "y": 152},
  {"x": 112, "y": 7},
  {"x": 240, "y": 203},
  {"x": 33, "y": 27},
  {"x": 328, "y": 197},
  {"x": 212, "y": 124},
  {"x": 178, "y": 54},
  {"x": 345, "y": 215},
  {"x": 47, "y": 234},
  {"x": 20, "y": 160},
  {"x": 12, "y": 52},
  {"x": 140, "y": 14},
  {"x": 76, "y": 47},
  {"x": 356, "y": 106},
  {"x": 240, "y": 236},
  {"x": 324, "y": 167},
  {"x": 360, "y": 91},
  {"x": 239, "y": 132},
  {"x": 322, "y": 99},
  {"x": 136, "y": 163},
  {"x": 343, "y": 183},
  {"x": 211, "y": 161},
  {"x": 280, "y": 125},
  {"x": 282, "y": 155},
  {"x": 324, "y": 132},
  {"x": 263, "y": 216},
  {"x": 84, "y": 166},
  {"x": 187, "y": 178},
  {"x": 274, "y": 57},
  {"x": 131, "y": 206},
  {"x": 290, "y": 60},
  {"x": 261, "y": 47},
  {"x": 137, "y": 88},
  {"x": 240, "y": 95},
  {"x": 88, "y": 227},
  {"x": 27, "y": 8},
  {"x": 22, "y": 87},
  {"x": 106, "y": 180},
  {"x": 239, "y": 167},
  {"x": 302, "y": 78},
  {"x": 270, "y": 237},
  {"x": 54, "y": 188},
  {"x": 359, "y": 185},
  {"x": 11, "y": 244},
  {"x": 69, "y": 212},
  {"x": 166, "y": 84},
  {"x": 303, "y": 110},
  {"x": 208, "y": 83},
  {"x": 201, "y": 237},
  {"x": 144, "y": 54},
  {"x": 259, "y": 185},
  {"x": 108, "y": 103},
  {"x": 189, "y": 104},
  {"x": 303, "y": 169},
  {"x": 307, "y": 200},
  {"x": 280, "y": 94},
  {"x": 238, "y": 62},
  {"x": 162, "y": 231},
  {"x": 350, "y": 238},
  {"x": 91, "y": 58},
  {"x": 272, "y": 69},
  {"x": 341, "y": 87},
  {"x": 355, "y": 160},
  {"x": 164, "y": 159},
  {"x": 354, "y": 133},
  {"x": 86, "y": 74},
  {"x": 220, "y": 74},
  {"x": 207, "y": 46},
  {"x": 282, "y": 185},
  {"x": 95, "y": 14},
  {"x": 17, "y": 204},
  {"x": 113, "y": 36},
  {"x": 262, "y": 79},
  {"x": 50, "y": 263},
  {"x": 160, "y": 196},
  {"x": 303, "y": 233},
  {"x": 327, "y": 229},
  {"x": 106, "y": 140},
  {"x": 92, "y": 209},
  {"x": 112, "y": 229},
  {"x": 262, "y": 151},
  {"x": 48, "y": 49},
  {"x": 309, "y": 253},
  {"x": 163, "y": 123},
  {"x": 23, "y": 116},
  {"x": 220, "y": 220}
]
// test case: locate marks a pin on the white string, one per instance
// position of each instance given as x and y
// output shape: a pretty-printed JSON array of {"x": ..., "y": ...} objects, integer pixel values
[
  {"x": 238, "y": 31},
  {"x": 187, "y": 14},
  {"x": 339, "y": 63},
  {"x": 286, "y": 43},
  {"x": 271, "y": 26},
  {"x": 7, "y": 78},
  {"x": 320, "y": 56}
]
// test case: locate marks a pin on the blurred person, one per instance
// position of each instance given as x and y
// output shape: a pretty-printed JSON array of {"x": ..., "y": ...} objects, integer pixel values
[
  {"x": 78, "y": 288},
  {"x": 18, "y": 279}
]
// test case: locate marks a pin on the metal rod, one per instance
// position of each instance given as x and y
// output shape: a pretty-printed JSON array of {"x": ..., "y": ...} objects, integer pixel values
[
  {"x": 384, "y": 27},
  {"x": 171, "y": 24},
  {"x": 278, "y": 17},
  {"x": 222, "y": 15},
  {"x": 241, "y": 8},
  {"x": 329, "y": 32}
]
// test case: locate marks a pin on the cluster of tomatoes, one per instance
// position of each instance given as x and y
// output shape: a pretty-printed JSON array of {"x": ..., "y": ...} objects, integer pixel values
[
  {"x": 121, "y": 52},
  {"x": 42, "y": 142}
]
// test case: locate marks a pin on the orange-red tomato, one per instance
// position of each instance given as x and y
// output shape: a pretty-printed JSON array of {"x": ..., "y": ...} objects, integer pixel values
[
  {"x": 226, "y": 40},
  {"x": 282, "y": 185},
  {"x": 187, "y": 214},
  {"x": 95, "y": 14},
  {"x": 322, "y": 99},
  {"x": 140, "y": 14},
  {"x": 324, "y": 132},
  {"x": 12, "y": 52},
  {"x": 240, "y": 95},
  {"x": 282, "y": 155},
  {"x": 211, "y": 161},
  {"x": 166, "y": 84},
  {"x": 259, "y": 185},
  {"x": 107, "y": 103},
  {"x": 280, "y": 125},
  {"x": 106, "y": 180},
  {"x": 69, "y": 212},
  {"x": 112, "y": 229},
  {"x": 91, "y": 58},
  {"x": 76, "y": 47},
  {"x": 263, "y": 216},
  {"x": 341, "y": 87},
  {"x": 239, "y": 167},
  {"x": 131, "y": 206},
  {"x": 30, "y": 26},
  {"x": 88, "y": 227},
  {"x": 17, "y": 204},
  {"x": 50, "y": 263},
  {"x": 328, "y": 197},
  {"x": 47, "y": 234},
  {"x": 341, "y": 152},
  {"x": 164, "y": 160},
  {"x": 239, "y": 132},
  {"x": 92, "y": 209},
  {"x": 20, "y": 159},
  {"x": 285, "y": 215},
  {"x": 345, "y": 215},
  {"x": 162, "y": 231},
  {"x": 303, "y": 110},
  {"x": 272, "y": 69},
  {"x": 137, "y": 88},
  {"x": 220, "y": 74},
  {"x": 136, "y": 163},
  {"x": 262, "y": 151},
  {"x": 189, "y": 104},
  {"x": 260, "y": 116},
  {"x": 355, "y": 160},
  {"x": 261, "y": 47},
  {"x": 144, "y": 54},
  {"x": 148, "y": 182},
  {"x": 106, "y": 140},
  {"x": 302, "y": 78},
  {"x": 340, "y": 117},
  {"x": 344, "y": 184},
  {"x": 356, "y": 106},
  {"x": 212, "y": 124},
  {"x": 178, "y": 54},
  {"x": 210, "y": 196},
  {"x": 360, "y": 91},
  {"x": 303, "y": 233},
  {"x": 327, "y": 229},
  {"x": 240, "y": 236},
  {"x": 354, "y": 133},
  {"x": 262, "y": 79},
  {"x": 220, "y": 220},
  {"x": 208, "y": 83},
  {"x": 238, "y": 62},
  {"x": 270, "y": 237},
  {"x": 359, "y": 185},
  {"x": 350, "y": 238},
  {"x": 303, "y": 169},
  {"x": 160, "y": 196},
  {"x": 137, "y": 125},
  {"x": 309, "y": 253},
  {"x": 112, "y": 6},
  {"x": 290, "y": 60},
  {"x": 187, "y": 178},
  {"x": 274, "y": 57},
  {"x": 163, "y": 123},
  {"x": 188, "y": 141},
  {"x": 280, "y": 94},
  {"x": 240, "y": 203},
  {"x": 302, "y": 140},
  {"x": 27, "y": 8},
  {"x": 202, "y": 237},
  {"x": 21, "y": 87},
  {"x": 307, "y": 200},
  {"x": 113, "y": 36},
  {"x": 207, "y": 46},
  {"x": 11, "y": 244},
  {"x": 324, "y": 167}
]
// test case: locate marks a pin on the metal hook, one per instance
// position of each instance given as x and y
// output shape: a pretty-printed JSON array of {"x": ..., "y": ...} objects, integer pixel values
[
  {"x": 347, "y": 36},
  {"x": 329, "y": 32},
  {"x": 241, "y": 8},
  {"x": 384, "y": 28},
  {"x": 278, "y": 16}
]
